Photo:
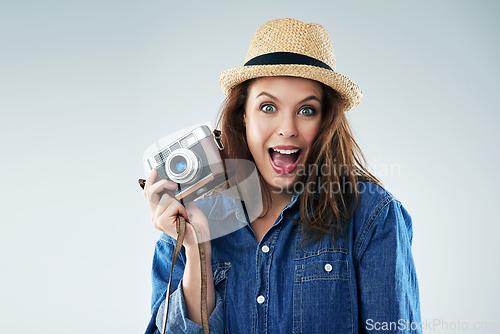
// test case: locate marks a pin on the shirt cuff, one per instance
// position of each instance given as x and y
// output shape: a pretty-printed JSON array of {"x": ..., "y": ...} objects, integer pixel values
[{"x": 178, "y": 322}]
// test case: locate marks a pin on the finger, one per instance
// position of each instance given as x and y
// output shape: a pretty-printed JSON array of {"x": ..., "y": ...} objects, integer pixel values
[
  {"x": 166, "y": 200},
  {"x": 158, "y": 207},
  {"x": 164, "y": 219},
  {"x": 171, "y": 206},
  {"x": 168, "y": 216},
  {"x": 151, "y": 178},
  {"x": 155, "y": 190},
  {"x": 161, "y": 185},
  {"x": 165, "y": 223},
  {"x": 159, "y": 202},
  {"x": 149, "y": 181}
]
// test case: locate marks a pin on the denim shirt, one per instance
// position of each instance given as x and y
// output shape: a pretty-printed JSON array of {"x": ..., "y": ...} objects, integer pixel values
[{"x": 363, "y": 282}]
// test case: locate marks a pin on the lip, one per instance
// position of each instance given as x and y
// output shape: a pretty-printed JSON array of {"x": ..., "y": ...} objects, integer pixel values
[{"x": 288, "y": 170}]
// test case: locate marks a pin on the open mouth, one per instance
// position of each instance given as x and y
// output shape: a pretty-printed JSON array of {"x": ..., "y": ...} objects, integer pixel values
[{"x": 284, "y": 161}]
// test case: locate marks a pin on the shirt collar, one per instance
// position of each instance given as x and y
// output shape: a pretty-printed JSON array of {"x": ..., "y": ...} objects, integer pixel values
[{"x": 226, "y": 205}]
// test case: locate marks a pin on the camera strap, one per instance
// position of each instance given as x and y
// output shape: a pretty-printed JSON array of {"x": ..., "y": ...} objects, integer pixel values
[
  {"x": 181, "y": 231},
  {"x": 218, "y": 141}
]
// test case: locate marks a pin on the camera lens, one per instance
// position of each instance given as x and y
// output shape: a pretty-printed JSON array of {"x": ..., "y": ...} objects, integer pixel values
[
  {"x": 182, "y": 166},
  {"x": 178, "y": 164}
]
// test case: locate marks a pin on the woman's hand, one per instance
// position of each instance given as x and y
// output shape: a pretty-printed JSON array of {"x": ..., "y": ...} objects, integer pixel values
[{"x": 164, "y": 209}]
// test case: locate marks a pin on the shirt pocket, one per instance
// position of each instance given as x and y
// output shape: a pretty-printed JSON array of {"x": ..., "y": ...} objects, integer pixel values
[
  {"x": 220, "y": 271},
  {"x": 321, "y": 295}
]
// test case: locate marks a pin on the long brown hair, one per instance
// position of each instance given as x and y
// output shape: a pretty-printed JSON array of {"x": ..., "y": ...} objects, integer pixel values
[{"x": 335, "y": 197}]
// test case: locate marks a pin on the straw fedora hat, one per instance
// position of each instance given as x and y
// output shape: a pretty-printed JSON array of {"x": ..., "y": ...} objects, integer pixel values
[{"x": 287, "y": 47}]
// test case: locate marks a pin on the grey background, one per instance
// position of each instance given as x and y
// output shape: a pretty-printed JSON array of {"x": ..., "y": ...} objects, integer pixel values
[{"x": 86, "y": 86}]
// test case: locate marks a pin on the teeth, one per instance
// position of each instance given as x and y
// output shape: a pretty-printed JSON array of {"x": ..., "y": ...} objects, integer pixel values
[{"x": 286, "y": 151}]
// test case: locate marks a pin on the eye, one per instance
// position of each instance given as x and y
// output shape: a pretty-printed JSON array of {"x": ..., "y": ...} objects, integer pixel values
[
  {"x": 268, "y": 108},
  {"x": 307, "y": 111}
]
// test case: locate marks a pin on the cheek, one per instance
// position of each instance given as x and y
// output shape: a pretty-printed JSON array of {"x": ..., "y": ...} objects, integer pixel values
[
  {"x": 252, "y": 137},
  {"x": 257, "y": 131},
  {"x": 310, "y": 133}
]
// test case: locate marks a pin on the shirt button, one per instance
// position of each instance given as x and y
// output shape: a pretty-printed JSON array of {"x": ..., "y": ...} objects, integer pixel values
[
  {"x": 328, "y": 267},
  {"x": 265, "y": 248},
  {"x": 260, "y": 299}
]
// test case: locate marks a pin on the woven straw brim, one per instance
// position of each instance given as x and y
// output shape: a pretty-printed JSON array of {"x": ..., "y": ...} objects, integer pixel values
[{"x": 350, "y": 92}]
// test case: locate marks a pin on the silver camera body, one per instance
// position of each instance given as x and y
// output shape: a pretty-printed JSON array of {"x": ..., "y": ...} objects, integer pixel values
[{"x": 191, "y": 158}]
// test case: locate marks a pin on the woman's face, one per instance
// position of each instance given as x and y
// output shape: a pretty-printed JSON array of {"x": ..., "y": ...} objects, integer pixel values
[{"x": 282, "y": 118}]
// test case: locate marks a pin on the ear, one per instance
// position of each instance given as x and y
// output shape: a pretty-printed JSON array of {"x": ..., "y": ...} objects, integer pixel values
[{"x": 245, "y": 119}]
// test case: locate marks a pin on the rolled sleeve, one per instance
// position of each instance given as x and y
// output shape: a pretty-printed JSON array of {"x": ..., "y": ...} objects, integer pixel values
[{"x": 178, "y": 321}]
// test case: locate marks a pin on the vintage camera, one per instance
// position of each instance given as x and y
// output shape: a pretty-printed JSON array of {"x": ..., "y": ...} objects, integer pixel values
[{"x": 191, "y": 158}]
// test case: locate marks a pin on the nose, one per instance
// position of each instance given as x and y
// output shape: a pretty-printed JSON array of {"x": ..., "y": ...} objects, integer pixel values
[{"x": 287, "y": 127}]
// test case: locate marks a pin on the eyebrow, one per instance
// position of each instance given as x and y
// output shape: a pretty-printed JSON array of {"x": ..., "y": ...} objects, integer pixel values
[{"x": 312, "y": 97}]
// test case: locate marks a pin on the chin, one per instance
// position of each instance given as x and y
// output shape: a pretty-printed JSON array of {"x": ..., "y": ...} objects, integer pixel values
[{"x": 283, "y": 184}]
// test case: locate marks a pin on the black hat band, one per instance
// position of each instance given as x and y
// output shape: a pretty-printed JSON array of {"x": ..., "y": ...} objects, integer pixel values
[{"x": 286, "y": 58}]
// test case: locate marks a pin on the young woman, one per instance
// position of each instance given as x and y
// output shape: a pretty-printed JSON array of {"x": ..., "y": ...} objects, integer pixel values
[{"x": 331, "y": 250}]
